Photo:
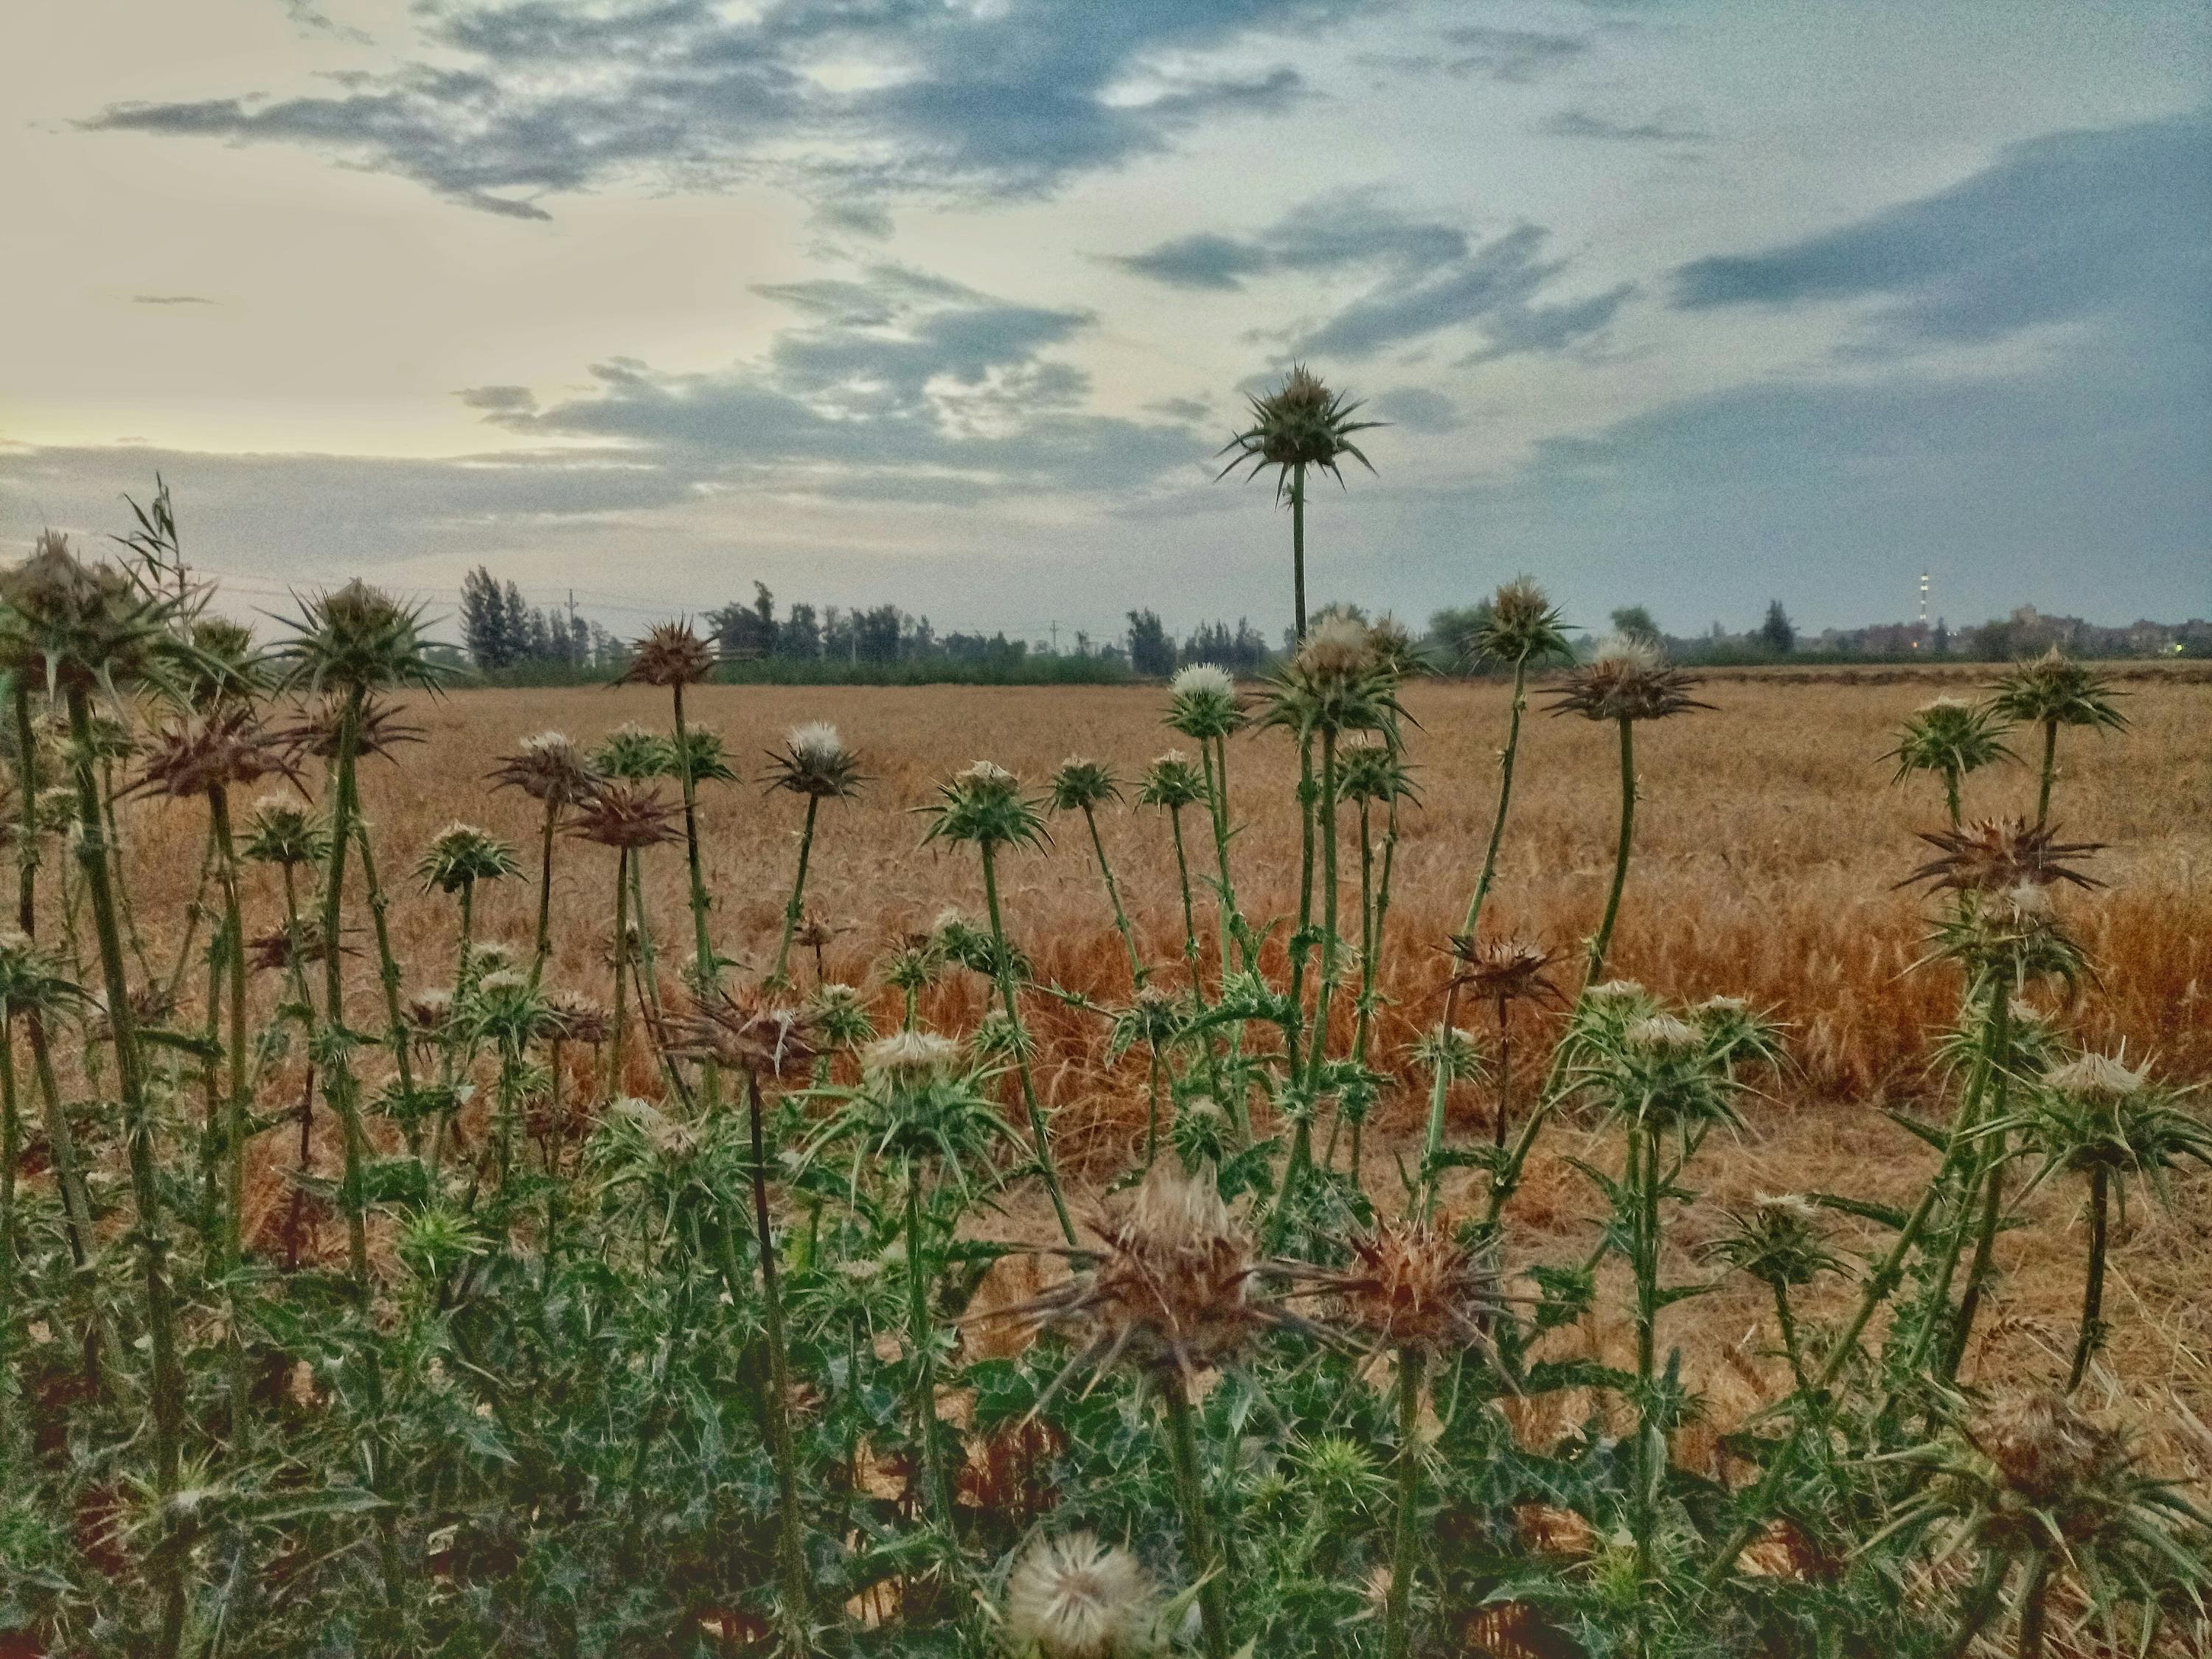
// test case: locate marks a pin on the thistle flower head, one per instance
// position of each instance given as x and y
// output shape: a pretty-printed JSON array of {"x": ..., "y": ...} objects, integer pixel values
[
  {"x": 2097, "y": 1113},
  {"x": 506, "y": 1009},
  {"x": 1661, "y": 1071},
  {"x": 1203, "y": 703},
  {"x": 31, "y": 979},
  {"x": 199, "y": 753},
  {"x": 460, "y": 856},
  {"x": 2055, "y": 690},
  {"x": 2012, "y": 933},
  {"x": 574, "y": 1018},
  {"x": 913, "y": 963},
  {"x": 1201, "y": 1134},
  {"x": 1395, "y": 649},
  {"x": 1735, "y": 1032},
  {"x": 1173, "y": 781},
  {"x": 1075, "y": 1598},
  {"x": 1949, "y": 735},
  {"x": 358, "y": 638},
  {"x": 319, "y": 727},
  {"x": 289, "y": 947},
  {"x": 984, "y": 805},
  {"x": 671, "y": 654},
  {"x": 840, "y": 1014},
  {"x": 222, "y": 665},
  {"x": 1412, "y": 1284},
  {"x": 921, "y": 1100},
  {"x": 1171, "y": 1290},
  {"x": 1521, "y": 627},
  {"x": 907, "y": 1057},
  {"x": 1503, "y": 970},
  {"x": 1778, "y": 1241},
  {"x": 429, "y": 1010},
  {"x": 626, "y": 814},
  {"x": 814, "y": 761},
  {"x": 752, "y": 1031},
  {"x": 1375, "y": 774},
  {"x": 1996, "y": 856},
  {"x": 1301, "y": 423},
  {"x": 1628, "y": 679},
  {"x": 281, "y": 831},
  {"x": 65, "y": 623},
  {"x": 1335, "y": 681},
  {"x": 1079, "y": 785},
  {"x": 548, "y": 768},
  {"x": 632, "y": 754}
]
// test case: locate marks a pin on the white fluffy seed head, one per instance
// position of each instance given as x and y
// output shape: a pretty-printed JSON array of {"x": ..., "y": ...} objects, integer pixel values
[
  {"x": 1076, "y": 1598},
  {"x": 908, "y": 1056},
  {"x": 1203, "y": 679},
  {"x": 2097, "y": 1076},
  {"x": 1628, "y": 651},
  {"x": 1663, "y": 1034},
  {"x": 816, "y": 742}
]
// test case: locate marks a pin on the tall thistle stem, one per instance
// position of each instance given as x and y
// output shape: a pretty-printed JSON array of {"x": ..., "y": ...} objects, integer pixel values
[
  {"x": 1397, "y": 1608},
  {"x": 1298, "y": 543},
  {"x": 1189, "y": 915},
  {"x": 61, "y": 1140},
  {"x": 1990, "y": 1173},
  {"x": 1002, "y": 961},
  {"x": 1602, "y": 942},
  {"x": 2091, "y": 1333},
  {"x": 921, "y": 1333},
  {"x": 387, "y": 972},
  {"x": 1302, "y": 940},
  {"x": 1114, "y": 897},
  {"x": 239, "y": 1109},
  {"x": 707, "y": 971},
  {"x": 1200, "y": 1544},
  {"x": 2050, "y": 773},
  {"x": 797, "y": 1589},
  {"x": 166, "y": 1565},
  {"x": 339, "y": 1084},
  {"x": 615, "y": 1046},
  {"x": 1318, "y": 1053},
  {"x": 544, "y": 946},
  {"x": 792, "y": 909}
]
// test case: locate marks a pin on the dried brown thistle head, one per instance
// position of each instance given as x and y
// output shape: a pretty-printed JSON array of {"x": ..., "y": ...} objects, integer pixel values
[
  {"x": 549, "y": 768},
  {"x": 198, "y": 754},
  {"x": 671, "y": 654},
  {"x": 1627, "y": 680},
  {"x": 1503, "y": 970},
  {"x": 576, "y": 1018},
  {"x": 285, "y": 947},
  {"x": 1410, "y": 1284},
  {"x": 626, "y": 814},
  {"x": 315, "y": 730},
  {"x": 1996, "y": 855},
  {"x": 767, "y": 1039}
]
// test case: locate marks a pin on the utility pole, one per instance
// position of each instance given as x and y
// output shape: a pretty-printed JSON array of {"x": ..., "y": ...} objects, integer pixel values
[{"x": 1055, "y": 636}]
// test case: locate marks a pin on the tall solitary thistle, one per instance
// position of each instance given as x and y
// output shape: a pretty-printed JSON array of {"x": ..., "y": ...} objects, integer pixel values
[{"x": 1300, "y": 424}]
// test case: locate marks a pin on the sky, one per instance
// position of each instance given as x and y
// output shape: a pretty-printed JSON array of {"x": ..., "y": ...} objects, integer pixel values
[{"x": 952, "y": 303}]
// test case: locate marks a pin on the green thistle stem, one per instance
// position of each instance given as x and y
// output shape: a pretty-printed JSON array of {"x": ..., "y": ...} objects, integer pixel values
[
  {"x": 1205, "y": 1559},
  {"x": 166, "y": 1564},
  {"x": 1002, "y": 959},
  {"x": 707, "y": 972},
  {"x": 396, "y": 1036},
  {"x": 615, "y": 1046},
  {"x": 1302, "y": 940},
  {"x": 338, "y": 1087},
  {"x": 1991, "y": 1174},
  {"x": 1603, "y": 941},
  {"x": 1189, "y": 916},
  {"x": 923, "y": 1336},
  {"x": 239, "y": 1109},
  {"x": 1397, "y": 1610},
  {"x": 798, "y": 1589},
  {"x": 2091, "y": 1333},
  {"x": 1298, "y": 543},
  {"x": 11, "y": 1153},
  {"x": 792, "y": 909},
  {"x": 2050, "y": 773},
  {"x": 1318, "y": 1051},
  {"x": 544, "y": 944},
  {"x": 1114, "y": 897}
]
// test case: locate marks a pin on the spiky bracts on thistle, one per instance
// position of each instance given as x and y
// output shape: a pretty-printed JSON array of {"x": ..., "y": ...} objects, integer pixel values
[
  {"x": 1411, "y": 1284},
  {"x": 1628, "y": 679},
  {"x": 1778, "y": 1240},
  {"x": 2055, "y": 690},
  {"x": 551, "y": 769},
  {"x": 671, "y": 654},
  {"x": 460, "y": 856},
  {"x": 1301, "y": 423},
  {"x": 626, "y": 817},
  {"x": 378, "y": 730},
  {"x": 1996, "y": 856},
  {"x": 1521, "y": 627},
  {"x": 1203, "y": 703},
  {"x": 199, "y": 753},
  {"x": 281, "y": 831},
  {"x": 1506, "y": 970},
  {"x": 815, "y": 763}
]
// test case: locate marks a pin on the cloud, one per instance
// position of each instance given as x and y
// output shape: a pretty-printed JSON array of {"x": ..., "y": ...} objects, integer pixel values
[
  {"x": 2060, "y": 228},
  {"x": 530, "y": 99},
  {"x": 1581, "y": 123},
  {"x": 1432, "y": 275},
  {"x": 171, "y": 300},
  {"x": 1514, "y": 56},
  {"x": 897, "y": 383},
  {"x": 1418, "y": 409}
]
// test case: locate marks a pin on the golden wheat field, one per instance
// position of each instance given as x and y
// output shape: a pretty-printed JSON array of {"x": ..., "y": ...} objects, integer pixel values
[{"x": 1769, "y": 843}]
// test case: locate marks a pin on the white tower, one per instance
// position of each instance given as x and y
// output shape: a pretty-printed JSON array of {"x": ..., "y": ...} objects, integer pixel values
[{"x": 1923, "y": 611}]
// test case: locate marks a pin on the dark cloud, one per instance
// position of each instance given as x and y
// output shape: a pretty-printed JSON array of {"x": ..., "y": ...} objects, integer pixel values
[
  {"x": 1419, "y": 409},
  {"x": 898, "y": 384},
  {"x": 1514, "y": 56},
  {"x": 170, "y": 299},
  {"x": 1432, "y": 276},
  {"x": 2060, "y": 228},
  {"x": 1581, "y": 123},
  {"x": 535, "y": 98}
]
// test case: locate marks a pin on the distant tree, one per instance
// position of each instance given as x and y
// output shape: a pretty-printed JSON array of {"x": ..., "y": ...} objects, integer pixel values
[
  {"x": 1454, "y": 629},
  {"x": 1994, "y": 641},
  {"x": 1776, "y": 632},
  {"x": 1942, "y": 637},
  {"x": 746, "y": 631},
  {"x": 1637, "y": 622},
  {"x": 483, "y": 620},
  {"x": 1150, "y": 651},
  {"x": 876, "y": 633},
  {"x": 799, "y": 635}
]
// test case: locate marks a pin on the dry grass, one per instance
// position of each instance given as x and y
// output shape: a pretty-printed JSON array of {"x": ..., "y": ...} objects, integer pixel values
[{"x": 1769, "y": 840}]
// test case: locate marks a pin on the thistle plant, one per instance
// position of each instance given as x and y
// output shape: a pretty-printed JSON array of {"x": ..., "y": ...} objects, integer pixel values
[
  {"x": 1203, "y": 706},
  {"x": 1951, "y": 738},
  {"x": 90, "y": 626},
  {"x": 549, "y": 769},
  {"x": 2051, "y": 691},
  {"x": 1172, "y": 783},
  {"x": 815, "y": 764},
  {"x": 920, "y": 1115},
  {"x": 32, "y": 986},
  {"x": 2099, "y": 1118},
  {"x": 1300, "y": 425},
  {"x": 458, "y": 858},
  {"x": 628, "y": 818},
  {"x": 1073, "y": 1597},
  {"x": 674, "y": 656},
  {"x": 1375, "y": 774},
  {"x": 1503, "y": 973},
  {"x": 984, "y": 807},
  {"x": 1628, "y": 682},
  {"x": 1781, "y": 1243},
  {"x": 1083, "y": 785}
]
